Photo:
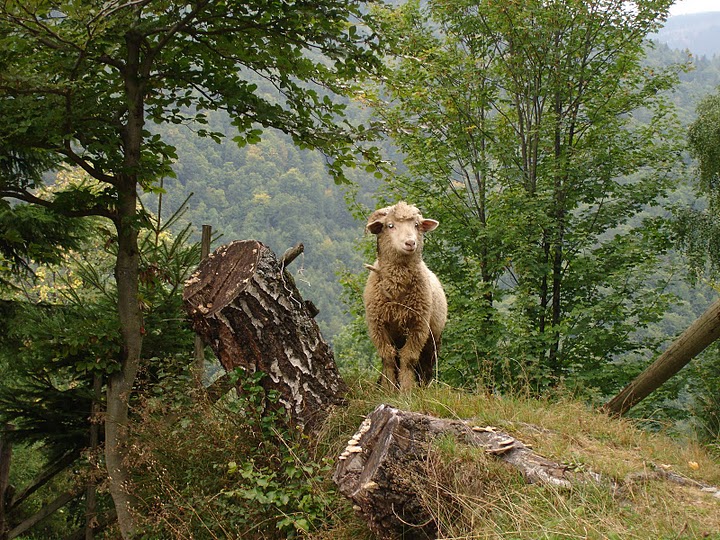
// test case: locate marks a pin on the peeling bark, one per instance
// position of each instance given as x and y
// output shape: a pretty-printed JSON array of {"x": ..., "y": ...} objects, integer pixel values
[
  {"x": 247, "y": 308},
  {"x": 391, "y": 444}
]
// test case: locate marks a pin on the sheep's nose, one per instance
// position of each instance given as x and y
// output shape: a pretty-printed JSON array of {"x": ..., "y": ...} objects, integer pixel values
[{"x": 410, "y": 243}]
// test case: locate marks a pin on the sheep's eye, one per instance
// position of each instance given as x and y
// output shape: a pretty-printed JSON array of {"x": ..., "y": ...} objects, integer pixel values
[
  {"x": 417, "y": 225},
  {"x": 390, "y": 225}
]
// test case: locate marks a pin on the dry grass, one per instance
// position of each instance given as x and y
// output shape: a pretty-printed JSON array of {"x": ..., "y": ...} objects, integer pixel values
[{"x": 474, "y": 496}]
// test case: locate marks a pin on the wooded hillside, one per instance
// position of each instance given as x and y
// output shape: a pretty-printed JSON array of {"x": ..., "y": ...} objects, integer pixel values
[{"x": 275, "y": 192}]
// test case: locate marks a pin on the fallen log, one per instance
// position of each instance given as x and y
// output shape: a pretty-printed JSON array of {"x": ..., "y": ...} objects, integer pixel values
[
  {"x": 374, "y": 469},
  {"x": 246, "y": 307},
  {"x": 696, "y": 338}
]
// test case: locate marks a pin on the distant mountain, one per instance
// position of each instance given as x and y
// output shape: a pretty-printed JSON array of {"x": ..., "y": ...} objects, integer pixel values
[{"x": 699, "y": 33}]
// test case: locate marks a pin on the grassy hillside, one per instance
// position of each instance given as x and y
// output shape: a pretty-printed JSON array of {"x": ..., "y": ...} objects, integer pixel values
[{"x": 473, "y": 495}]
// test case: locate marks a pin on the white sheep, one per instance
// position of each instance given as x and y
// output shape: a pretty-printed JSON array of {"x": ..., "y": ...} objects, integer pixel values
[{"x": 405, "y": 305}]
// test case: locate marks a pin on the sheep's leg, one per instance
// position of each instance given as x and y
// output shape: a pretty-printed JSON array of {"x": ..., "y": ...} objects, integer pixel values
[
  {"x": 388, "y": 355},
  {"x": 406, "y": 377},
  {"x": 409, "y": 357},
  {"x": 389, "y": 375},
  {"x": 428, "y": 359}
]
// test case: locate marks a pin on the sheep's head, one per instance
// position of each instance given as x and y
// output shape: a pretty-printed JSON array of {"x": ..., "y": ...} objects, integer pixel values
[{"x": 400, "y": 228}]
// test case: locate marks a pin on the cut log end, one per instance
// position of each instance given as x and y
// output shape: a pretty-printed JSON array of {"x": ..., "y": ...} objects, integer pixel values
[
  {"x": 222, "y": 276},
  {"x": 375, "y": 469}
]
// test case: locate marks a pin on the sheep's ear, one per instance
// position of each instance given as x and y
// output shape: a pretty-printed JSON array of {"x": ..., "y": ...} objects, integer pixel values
[
  {"x": 375, "y": 227},
  {"x": 427, "y": 225}
]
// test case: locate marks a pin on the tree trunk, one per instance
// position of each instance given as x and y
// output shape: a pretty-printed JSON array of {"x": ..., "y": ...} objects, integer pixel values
[
  {"x": 120, "y": 384},
  {"x": 247, "y": 308},
  {"x": 127, "y": 265},
  {"x": 391, "y": 446},
  {"x": 103, "y": 521},
  {"x": 699, "y": 335}
]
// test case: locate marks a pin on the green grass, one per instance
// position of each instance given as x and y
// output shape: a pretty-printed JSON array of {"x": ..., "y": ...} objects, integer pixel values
[{"x": 473, "y": 495}]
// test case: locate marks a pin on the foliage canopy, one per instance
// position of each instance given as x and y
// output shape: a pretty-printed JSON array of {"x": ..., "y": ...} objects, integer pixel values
[{"x": 536, "y": 135}]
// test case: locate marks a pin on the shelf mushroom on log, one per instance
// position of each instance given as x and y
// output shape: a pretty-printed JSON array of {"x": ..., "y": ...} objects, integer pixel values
[{"x": 246, "y": 307}]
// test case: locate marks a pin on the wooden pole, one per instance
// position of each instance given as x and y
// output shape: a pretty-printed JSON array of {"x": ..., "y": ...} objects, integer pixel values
[
  {"x": 199, "y": 367},
  {"x": 699, "y": 335}
]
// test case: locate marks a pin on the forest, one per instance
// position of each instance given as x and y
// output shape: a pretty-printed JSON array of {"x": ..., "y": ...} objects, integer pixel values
[{"x": 570, "y": 156}]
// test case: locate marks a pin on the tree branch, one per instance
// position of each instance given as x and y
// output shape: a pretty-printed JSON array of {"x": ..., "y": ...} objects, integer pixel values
[
  {"x": 26, "y": 196},
  {"x": 78, "y": 160},
  {"x": 291, "y": 254}
]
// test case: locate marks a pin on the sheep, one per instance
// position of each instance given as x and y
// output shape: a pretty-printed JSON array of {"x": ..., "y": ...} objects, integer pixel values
[{"x": 405, "y": 305}]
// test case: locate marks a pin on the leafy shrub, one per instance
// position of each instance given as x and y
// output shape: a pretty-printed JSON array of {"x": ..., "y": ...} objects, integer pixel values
[{"x": 233, "y": 469}]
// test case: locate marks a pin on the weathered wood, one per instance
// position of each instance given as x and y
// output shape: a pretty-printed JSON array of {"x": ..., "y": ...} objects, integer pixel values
[
  {"x": 391, "y": 445},
  {"x": 247, "y": 308},
  {"x": 695, "y": 339},
  {"x": 291, "y": 254},
  {"x": 199, "y": 365},
  {"x": 658, "y": 473}
]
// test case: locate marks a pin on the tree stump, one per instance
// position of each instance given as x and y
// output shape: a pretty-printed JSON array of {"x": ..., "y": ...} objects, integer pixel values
[
  {"x": 391, "y": 445},
  {"x": 246, "y": 307}
]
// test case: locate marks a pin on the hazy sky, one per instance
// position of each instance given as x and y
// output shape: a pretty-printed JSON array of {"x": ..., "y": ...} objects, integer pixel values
[{"x": 694, "y": 6}]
